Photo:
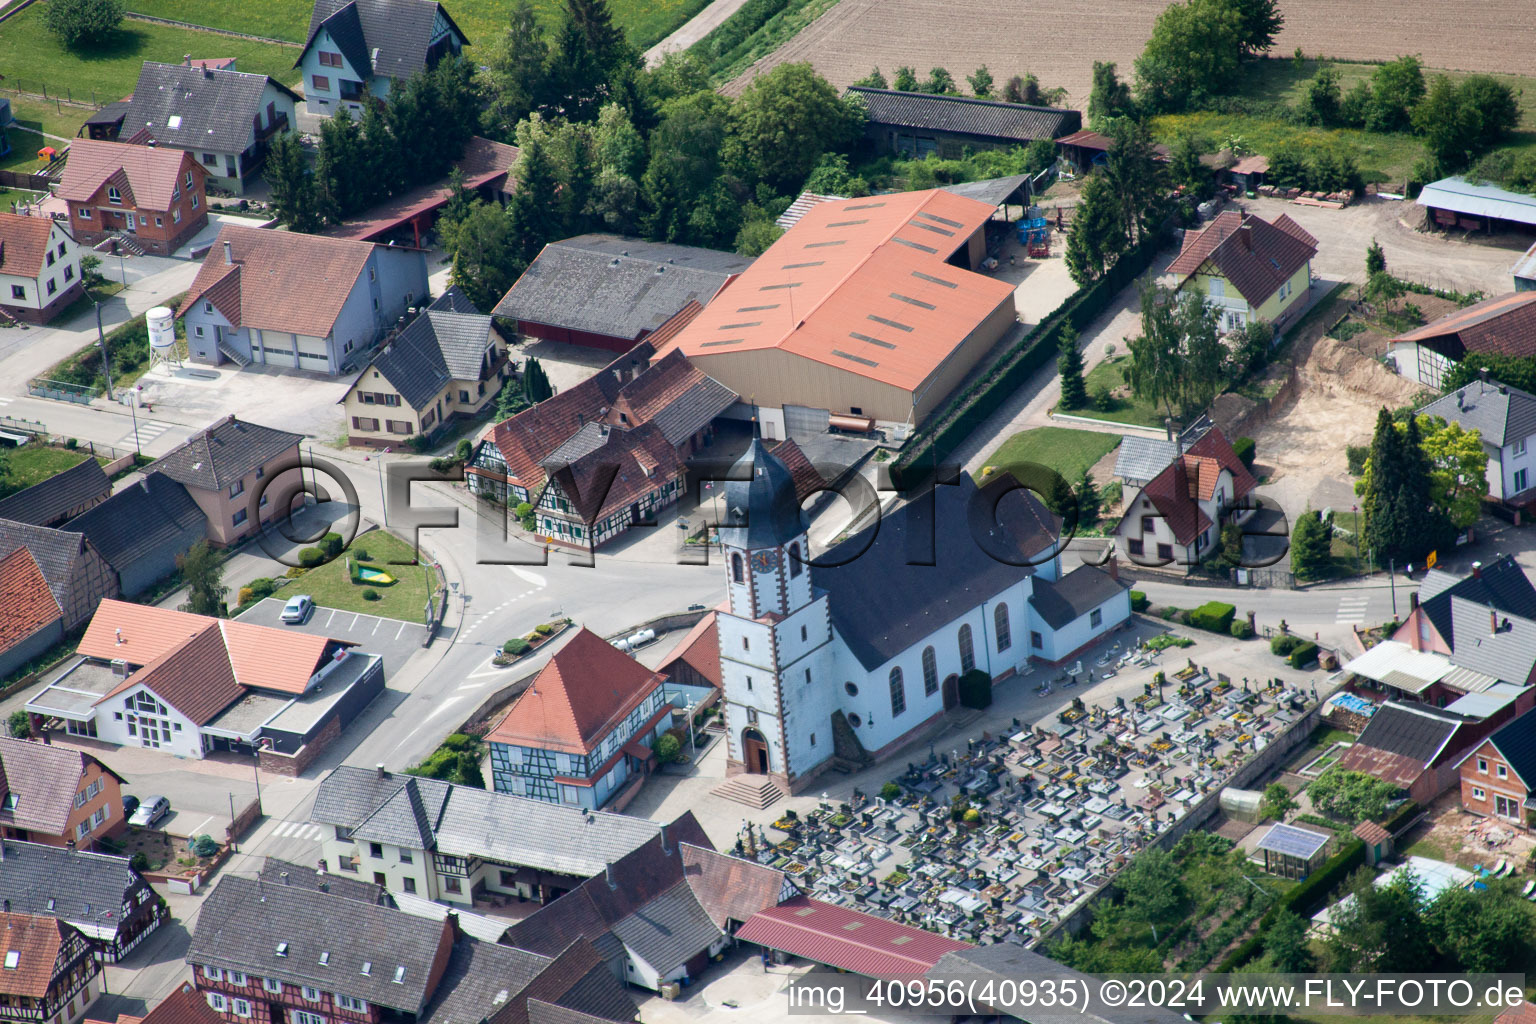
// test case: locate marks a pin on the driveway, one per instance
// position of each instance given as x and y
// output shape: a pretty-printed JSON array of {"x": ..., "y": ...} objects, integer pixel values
[{"x": 395, "y": 640}]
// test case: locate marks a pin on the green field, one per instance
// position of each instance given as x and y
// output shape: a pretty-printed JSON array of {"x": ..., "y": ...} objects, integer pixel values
[
  {"x": 404, "y": 599},
  {"x": 1112, "y": 374},
  {"x": 1069, "y": 452},
  {"x": 35, "y": 60},
  {"x": 646, "y": 22}
]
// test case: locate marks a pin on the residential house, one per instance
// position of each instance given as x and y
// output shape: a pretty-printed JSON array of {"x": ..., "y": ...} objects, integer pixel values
[
  {"x": 920, "y": 124},
  {"x": 31, "y": 622},
  {"x": 1139, "y": 459},
  {"x": 39, "y": 268},
  {"x": 223, "y": 118},
  {"x": 1498, "y": 775},
  {"x": 1499, "y": 585},
  {"x": 607, "y": 453},
  {"x": 51, "y": 975},
  {"x": 1505, "y": 417},
  {"x": 76, "y": 572},
  {"x": 62, "y": 496},
  {"x": 142, "y": 530},
  {"x": 151, "y": 198},
  {"x": 264, "y": 954},
  {"x": 56, "y": 796},
  {"x": 306, "y": 302},
  {"x": 183, "y": 1006},
  {"x": 1415, "y": 747},
  {"x": 357, "y": 49},
  {"x": 1178, "y": 514},
  {"x": 1249, "y": 268},
  {"x": 584, "y": 728},
  {"x": 609, "y": 291},
  {"x": 225, "y": 467},
  {"x": 190, "y": 684},
  {"x": 640, "y": 913},
  {"x": 443, "y": 366},
  {"x": 281, "y": 872},
  {"x": 1504, "y": 325},
  {"x": 98, "y": 893},
  {"x": 457, "y": 844}
]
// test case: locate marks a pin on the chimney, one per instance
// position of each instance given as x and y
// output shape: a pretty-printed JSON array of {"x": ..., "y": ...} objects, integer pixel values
[
  {"x": 664, "y": 841},
  {"x": 1245, "y": 237},
  {"x": 229, "y": 253},
  {"x": 118, "y": 634},
  {"x": 1168, "y": 426},
  {"x": 186, "y": 59},
  {"x": 1493, "y": 621},
  {"x": 70, "y": 846},
  {"x": 1113, "y": 566},
  {"x": 1482, "y": 375},
  {"x": 1413, "y": 600},
  {"x": 207, "y": 71},
  {"x": 1477, "y": 570},
  {"x": 380, "y": 769},
  {"x": 453, "y": 924},
  {"x": 608, "y": 875},
  {"x": 284, "y": 877}
]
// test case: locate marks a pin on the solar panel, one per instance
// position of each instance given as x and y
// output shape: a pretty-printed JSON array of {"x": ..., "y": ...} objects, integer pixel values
[
  {"x": 934, "y": 228},
  {"x": 774, "y": 287},
  {"x": 942, "y": 220},
  {"x": 823, "y": 245},
  {"x": 915, "y": 245},
  {"x": 847, "y": 223},
  {"x": 754, "y": 309},
  {"x": 797, "y": 266}
]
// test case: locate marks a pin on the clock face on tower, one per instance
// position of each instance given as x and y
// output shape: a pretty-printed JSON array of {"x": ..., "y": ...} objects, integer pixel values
[{"x": 764, "y": 561}]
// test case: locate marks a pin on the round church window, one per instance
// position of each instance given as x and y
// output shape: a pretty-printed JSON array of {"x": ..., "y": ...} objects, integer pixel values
[
  {"x": 853, "y": 691},
  {"x": 855, "y": 720}
]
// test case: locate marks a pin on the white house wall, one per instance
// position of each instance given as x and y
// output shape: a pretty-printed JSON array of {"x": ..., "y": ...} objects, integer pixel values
[{"x": 112, "y": 725}]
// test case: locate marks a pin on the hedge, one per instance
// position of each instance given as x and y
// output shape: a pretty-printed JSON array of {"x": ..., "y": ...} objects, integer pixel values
[
  {"x": 965, "y": 411},
  {"x": 1139, "y": 601},
  {"x": 1245, "y": 450},
  {"x": 1305, "y": 654},
  {"x": 1284, "y": 644},
  {"x": 1400, "y": 818},
  {"x": 1215, "y": 616},
  {"x": 332, "y": 544},
  {"x": 1303, "y": 901},
  {"x": 1241, "y": 629},
  {"x": 976, "y": 689},
  {"x": 311, "y": 557}
]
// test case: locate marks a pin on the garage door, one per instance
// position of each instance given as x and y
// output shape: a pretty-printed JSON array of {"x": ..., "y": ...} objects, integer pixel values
[{"x": 802, "y": 421}]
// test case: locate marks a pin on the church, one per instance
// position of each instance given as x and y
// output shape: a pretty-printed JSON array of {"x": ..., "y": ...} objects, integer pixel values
[{"x": 869, "y": 642}]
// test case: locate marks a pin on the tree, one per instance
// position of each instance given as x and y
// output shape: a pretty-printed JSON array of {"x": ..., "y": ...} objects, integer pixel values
[
  {"x": 1322, "y": 99},
  {"x": 1437, "y": 118},
  {"x": 1287, "y": 169},
  {"x": 1387, "y": 505},
  {"x": 832, "y": 177},
  {"x": 1489, "y": 111},
  {"x": 1334, "y": 170},
  {"x": 1396, "y": 88},
  {"x": 1375, "y": 259},
  {"x": 667, "y": 747},
  {"x": 1062, "y": 500},
  {"x": 466, "y": 770},
  {"x": 1177, "y": 360},
  {"x": 1261, "y": 21},
  {"x": 485, "y": 260},
  {"x": 536, "y": 385},
  {"x": 1285, "y": 940},
  {"x": 460, "y": 202},
  {"x": 1355, "y": 108},
  {"x": 1154, "y": 888},
  {"x": 1110, "y": 97},
  {"x": 82, "y": 22},
  {"x": 940, "y": 82},
  {"x": 19, "y": 724},
  {"x": 1458, "y": 480},
  {"x": 1380, "y": 930},
  {"x": 203, "y": 573},
  {"x": 905, "y": 80},
  {"x": 981, "y": 82},
  {"x": 1136, "y": 177},
  {"x": 1094, "y": 241},
  {"x": 783, "y": 123},
  {"x": 756, "y": 236},
  {"x": 1278, "y": 801},
  {"x": 294, "y": 195},
  {"x": 1185, "y": 169},
  {"x": 1460, "y": 123},
  {"x": 1481, "y": 931},
  {"x": 1310, "y": 544},
  {"x": 1352, "y": 797},
  {"x": 533, "y": 210},
  {"x": 873, "y": 80},
  {"x": 1191, "y": 56},
  {"x": 514, "y": 81},
  {"x": 1089, "y": 503},
  {"x": 685, "y": 162},
  {"x": 344, "y": 180},
  {"x": 1069, "y": 364}
]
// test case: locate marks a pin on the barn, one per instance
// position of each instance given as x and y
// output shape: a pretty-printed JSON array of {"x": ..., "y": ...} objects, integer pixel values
[
  {"x": 920, "y": 124},
  {"x": 1455, "y": 202}
]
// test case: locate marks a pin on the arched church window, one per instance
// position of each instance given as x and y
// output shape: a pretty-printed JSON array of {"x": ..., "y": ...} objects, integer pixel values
[
  {"x": 738, "y": 571},
  {"x": 898, "y": 692},
  {"x": 967, "y": 651},
  {"x": 1004, "y": 633},
  {"x": 930, "y": 672}
]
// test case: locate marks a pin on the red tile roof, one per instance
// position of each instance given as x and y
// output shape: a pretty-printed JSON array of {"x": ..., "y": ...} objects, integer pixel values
[
  {"x": 1505, "y": 325},
  {"x": 26, "y": 602},
  {"x": 1171, "y": 495},
  {"x": 1256, "y": 256},
  {"x": 527, "y": 439},
  {"x": 578, "y": 698},
  {"x": 36, "y": 941},
  {"x": 729, "y": 888},
  {"x": 700, "y": 649},
  {"x": 280, "y": 280},
  {"x": 184, "y": 1006},
  {"x": 195, "y": 677},
  {"x": 23, "y": 244},
  {"x": 847, "y": 939},
  {"x": 627, "y": 466},
  {"x": 147, "y": 176},
  {"x": 1214, "y": 444}
]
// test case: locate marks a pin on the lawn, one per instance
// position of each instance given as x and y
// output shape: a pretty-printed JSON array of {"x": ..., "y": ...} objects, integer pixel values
[
  {"x": 1110, "y": 375},
  {"x": 1069, "y": 452},
  {"x": 34, "y": 59},
  {"x": 35, "y": 463},
  {"x": 404, "y": 599},
  {"x": 646, "y": 22}
]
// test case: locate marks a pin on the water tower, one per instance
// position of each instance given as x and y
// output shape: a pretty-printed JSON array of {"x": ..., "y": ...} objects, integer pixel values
[{"x": 162, "y": 338}]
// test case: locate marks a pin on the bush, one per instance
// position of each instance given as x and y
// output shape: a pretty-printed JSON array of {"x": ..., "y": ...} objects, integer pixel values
[
  {"x": 295, "y": 571},
  {"x": 360, "y": 555},
  {"x": 1139, "y": 601},
  {"x": 82, "y": 21},
  {"x": 20, "y": 724},
  {"x": 244, "y": 596},
  {"x": 139, "y": 862},
  {"x": 1400, "y": 818},
  {"x": 971, "y": 817},
  {"x": 544, "y": 629},
  {"x": 204, "y": 845},
  {"x": 667, "y": 748},
  {"x": 1170, "y": 613},
  {"x": 976, "y": 689},
  {"x": 516, "y": 646},
  {"x": 72, "y": 443},
  {"x": 1246, "y": 450},
  {"x": 1284, "y": 645},
  {"x": 1355, "y": 455},
  {"x": 309, "y": 558},
  {"x": 369, "y": 594},
  {"x": 262, "y": 587},
  {"x": 890, "y": 791},
  {"x": 460, "y": 742},
  {"x": 332, "y": 544},
  {"x": 1241, "y": 629},
  {"x": 1303, "y": 654},
  {"x": 1215, "y": 616}
]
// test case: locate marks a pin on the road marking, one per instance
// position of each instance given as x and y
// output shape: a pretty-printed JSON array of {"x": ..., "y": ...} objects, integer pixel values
[
  {"x": 376, "y": 624},
  {"x": 201, "y": 826},
  {"x": 528, "y": 577},
  {"x": 329, "y": 618},
  {"x": 148, "y": 430},
  {"x": 297, "y": 830},
  {"x": 355, "y": 617},
  {"x": 401, "y": 630},
  {"x": 1352, "y": 609}
]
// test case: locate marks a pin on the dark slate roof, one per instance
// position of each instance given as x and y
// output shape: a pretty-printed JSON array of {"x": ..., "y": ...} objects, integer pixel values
[
  {"x": 229, "y": 450},
  {"x": 196, "y": 108},
  {"x": 1500, "y": 584},
  {"x": 282, "y": 872},
  {"x": 1508, "y": 654},
  {"x": 400, "y": 30},
  {"x": 540, "y": 1012},
  {"x": 615, "y": 286},
  {"x": 1018, "y": 122},
  {"x": 138, "y": 520},
  {"x": 1415, "y": 732},
  {"x": 668, "y": 931},
  {"x": 112, "y": 113},
  {"x": 401, "y": 820},
  {"x": 1516, "y": 743},
  {"x": 48, "y": 501},
  {"x": 56, "y": 552},
  {"x": 453, "y": 300},
  {"x": 1064, "y": 601},
  {"x": 481, "y": 979},
  {"x": 243, "y": 922},
  {"x": 79, "y": 885},
  {"x": 1502, "y": 414},
  {"x": 761, "y": 507},
  {"x": 597, "y": 996},
  {"x": 881, "y": 602},
  {"x": 348, "y": 796},
  {"x": 1142, "y": 458},
  {"x": 438, "y": 346}
]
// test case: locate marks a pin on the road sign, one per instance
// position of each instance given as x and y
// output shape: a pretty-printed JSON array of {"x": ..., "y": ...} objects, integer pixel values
[{"x": 1429, "y": 563}]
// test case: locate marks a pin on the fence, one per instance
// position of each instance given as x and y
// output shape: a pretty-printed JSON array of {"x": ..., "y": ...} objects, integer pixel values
[
  {"x": 61, "y": 391},
  {"x": 24, "y": 426},
  {"x": 23, "y": 180}
]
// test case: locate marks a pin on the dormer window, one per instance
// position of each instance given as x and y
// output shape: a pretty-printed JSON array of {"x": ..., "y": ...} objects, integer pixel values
[
  {"x": 282, "y": 949},
  {"x": 367, "y": 970},
  {"x": 114, "y": 196},
  {"x": 399, "y": 978},
  {"x": 12, "y": 959}
]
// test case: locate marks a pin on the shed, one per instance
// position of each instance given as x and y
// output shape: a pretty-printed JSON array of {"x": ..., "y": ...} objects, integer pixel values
[
  {"x": 920, "y": 124},
  {"x": 1293, "y": 852},
  {"x": 1248, "y": 173},
  {"x": 1377, "y": 840},
  {"x": 1455, "y": 202}
]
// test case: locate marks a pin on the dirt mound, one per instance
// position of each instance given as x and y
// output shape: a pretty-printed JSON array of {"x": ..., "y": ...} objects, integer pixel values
[{"x": 1334, "y": 368}]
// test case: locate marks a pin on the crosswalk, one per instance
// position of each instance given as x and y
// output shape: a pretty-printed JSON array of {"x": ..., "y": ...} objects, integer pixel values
[
  {"x": 1352, "y": 609},
  {"x": 148, "y": 430},
  {"x": 297, "y": 830}
]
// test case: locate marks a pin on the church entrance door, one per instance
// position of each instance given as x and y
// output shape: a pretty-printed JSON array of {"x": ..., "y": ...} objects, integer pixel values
[
  {"x": 951, "y": 691},
  {"x": 754, "y": 751}
]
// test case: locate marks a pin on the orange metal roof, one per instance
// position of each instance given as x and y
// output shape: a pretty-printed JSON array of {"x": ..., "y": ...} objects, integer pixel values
[{"x": 859, "y": 284}]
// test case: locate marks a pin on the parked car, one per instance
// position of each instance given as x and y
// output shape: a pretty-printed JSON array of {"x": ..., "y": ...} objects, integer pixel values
[
  {"x": 130, "y": 804},
  {"x": 151, "y": 810},
  {"x": 298, "y": 608}
]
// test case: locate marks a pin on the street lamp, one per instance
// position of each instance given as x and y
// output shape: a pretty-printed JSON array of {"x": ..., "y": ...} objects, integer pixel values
[
  {"x": 264, "y": 742},
  {"x": 383, "y": 501}
]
